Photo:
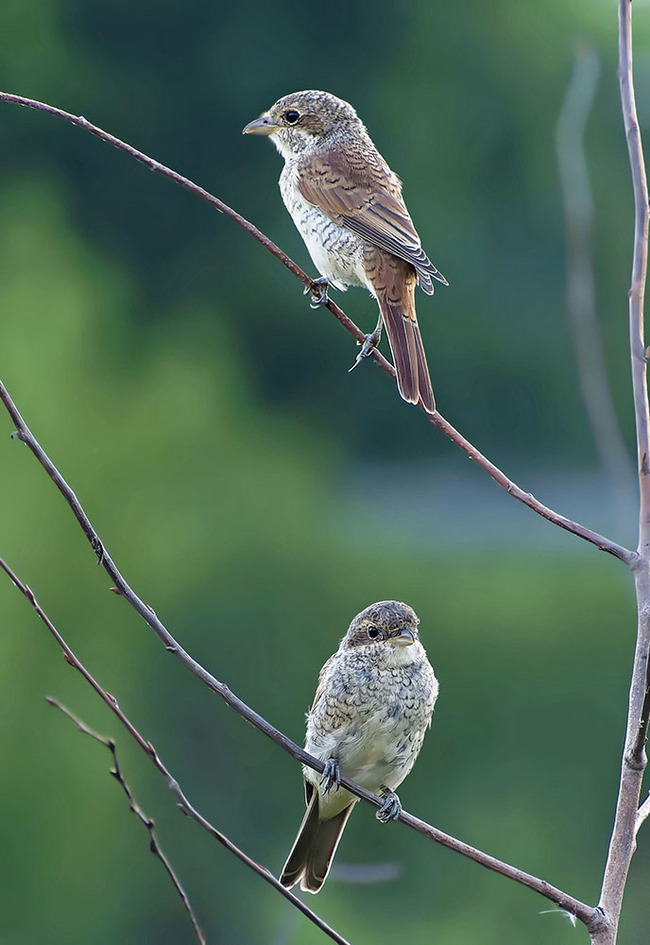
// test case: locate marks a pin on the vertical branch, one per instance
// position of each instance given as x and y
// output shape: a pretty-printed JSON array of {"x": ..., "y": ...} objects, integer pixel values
[
  {"x": 622, "y": 843},
  {"x": 639, "y": 268}
]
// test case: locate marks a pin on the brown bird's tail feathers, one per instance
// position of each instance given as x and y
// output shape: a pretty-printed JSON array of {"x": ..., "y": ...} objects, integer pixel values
[
  {"x": 407, "y": 349},
  {"x": 410, "y": 361},
  {"x": 393, "y": 284},
  {"x": 314, "y": 848}
]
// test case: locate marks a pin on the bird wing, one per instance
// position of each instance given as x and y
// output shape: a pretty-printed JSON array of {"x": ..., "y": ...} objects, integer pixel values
[
  {"x": 360, "y": 192},
  {"x": 320, "y": 688}
]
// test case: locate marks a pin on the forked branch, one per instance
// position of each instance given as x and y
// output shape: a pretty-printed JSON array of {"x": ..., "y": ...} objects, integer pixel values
[
  {"x": 134, "y": 807},
  {"x": 628, "y": 815},
  {"x": 587, "y": 914},
  {"x": 183, "y": 803}
]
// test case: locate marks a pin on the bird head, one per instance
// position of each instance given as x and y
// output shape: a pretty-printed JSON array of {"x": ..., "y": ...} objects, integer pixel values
[
  {"x": 305, "y": 121},
  {"x": 388, "y": 622}
]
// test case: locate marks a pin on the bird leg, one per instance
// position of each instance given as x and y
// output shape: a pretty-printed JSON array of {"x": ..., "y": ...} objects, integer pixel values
[
  {"x": 391, "y": 808},
  {"x": 318, "y": 289},
  {"x": 370, "y": 342},
  {"x": 331, "y": 775}
]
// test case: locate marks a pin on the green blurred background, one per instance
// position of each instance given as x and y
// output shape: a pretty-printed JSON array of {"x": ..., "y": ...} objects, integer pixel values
[{"x": 258, "y": 496}]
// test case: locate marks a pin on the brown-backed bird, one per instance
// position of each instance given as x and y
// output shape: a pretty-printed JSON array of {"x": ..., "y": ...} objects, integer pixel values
[{"x": 347, "y": 205}]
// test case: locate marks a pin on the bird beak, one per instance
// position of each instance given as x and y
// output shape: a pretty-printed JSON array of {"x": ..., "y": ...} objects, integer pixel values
[
  {"x": 261, "y": 126},
  {"x": 402, "y": 637}
]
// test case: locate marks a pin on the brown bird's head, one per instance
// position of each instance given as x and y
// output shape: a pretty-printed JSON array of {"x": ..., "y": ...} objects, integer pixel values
[
  {"x": 306, "y": 121},
  {"x": 388, "y": 622}
]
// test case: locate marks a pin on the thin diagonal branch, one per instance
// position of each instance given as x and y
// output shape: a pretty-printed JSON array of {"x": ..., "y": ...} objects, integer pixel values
[
  {"x": 527, "y": 498},
  {"x": 135, "y": 808},
  {"x": 587, "y": 914},
  {"x": 173, "y": 785},
  {"x": 436, "y": 419}
]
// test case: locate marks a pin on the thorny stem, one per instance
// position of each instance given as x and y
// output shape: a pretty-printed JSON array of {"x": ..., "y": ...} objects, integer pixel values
[{"x": 116, "y": 772}]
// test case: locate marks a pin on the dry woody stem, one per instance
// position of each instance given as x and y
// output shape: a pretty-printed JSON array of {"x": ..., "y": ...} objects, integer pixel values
[
  {"x": 587, "y": 914},
  {"x": 183, "y": 803},
  {"x": 628, "y": 815},
  {"x": 601, "y": 921},
  {"x": 134, "y": 807}
]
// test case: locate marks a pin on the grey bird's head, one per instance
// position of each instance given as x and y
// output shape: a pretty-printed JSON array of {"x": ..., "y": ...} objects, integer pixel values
[
  {"x": 307, "y": 121},
  {"x": 386, "y": 623}
]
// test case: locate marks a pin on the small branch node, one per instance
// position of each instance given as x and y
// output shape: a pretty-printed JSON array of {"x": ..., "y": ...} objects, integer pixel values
[{"x": 634, "y": 762}]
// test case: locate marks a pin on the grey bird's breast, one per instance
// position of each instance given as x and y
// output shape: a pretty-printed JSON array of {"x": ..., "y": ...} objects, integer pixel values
[
  {"x": 336, "y": 252},
  {"x": 372, "y": 717}
]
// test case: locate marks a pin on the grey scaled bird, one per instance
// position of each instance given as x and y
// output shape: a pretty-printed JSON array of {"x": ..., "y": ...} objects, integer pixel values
[
  {"x": 348, "y": 207},
  {"x": 373, "y": 705}
]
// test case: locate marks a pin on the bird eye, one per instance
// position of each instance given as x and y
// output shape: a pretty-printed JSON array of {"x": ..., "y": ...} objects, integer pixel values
[
  {"x": 373, "y": 633},
  {"x": 292, "y": 116}
]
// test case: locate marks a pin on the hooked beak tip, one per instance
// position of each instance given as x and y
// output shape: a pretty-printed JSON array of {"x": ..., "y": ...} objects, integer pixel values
[
  {"x": 403, "y": 637},
  {"x": 260, "y": 126}
]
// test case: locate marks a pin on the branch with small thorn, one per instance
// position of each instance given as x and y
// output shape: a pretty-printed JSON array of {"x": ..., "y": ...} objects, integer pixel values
[
  {"x": 135, "y": 808},
  {"x": 183, "y": 803}
]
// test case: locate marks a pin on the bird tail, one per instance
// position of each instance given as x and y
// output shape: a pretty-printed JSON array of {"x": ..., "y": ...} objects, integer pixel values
[
  {"x": 314, "y": 848},
  {"x": 398, "y": 314}
]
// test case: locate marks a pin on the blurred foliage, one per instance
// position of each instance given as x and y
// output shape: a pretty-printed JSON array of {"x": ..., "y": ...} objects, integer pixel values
[{"x": 205, "y": 418}]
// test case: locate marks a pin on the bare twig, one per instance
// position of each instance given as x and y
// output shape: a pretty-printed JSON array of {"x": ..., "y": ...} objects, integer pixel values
[
  {"x": 147, "y": 822},
  {"x": 626, "y": 822},
  {"x": 173, "y": 785},
  {"x": 585, "y": 913},
  {"x": 580, "y": 281},
  {"x": 604, "y": 544},
  {"x": 642, "y": 815},
  {"x": 436, "y": 419}
]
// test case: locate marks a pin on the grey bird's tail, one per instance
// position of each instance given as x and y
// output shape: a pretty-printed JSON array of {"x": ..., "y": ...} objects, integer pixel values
[{"x": 314, "y": 848}]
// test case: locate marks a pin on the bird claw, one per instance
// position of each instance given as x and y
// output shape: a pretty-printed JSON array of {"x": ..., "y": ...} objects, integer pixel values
[
  {"x": 370, "y": 342},
  {"x": 318, "y": 289},
  {"x": 391, "y": 808},
  {"x": 331, "y": 776}
]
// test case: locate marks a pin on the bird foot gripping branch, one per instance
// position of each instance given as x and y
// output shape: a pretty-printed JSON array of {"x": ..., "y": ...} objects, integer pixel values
[
  {"x": 331, "y": 776},
  {"x": 370, "y": 342},
  {"x": 318, "y": 290},
  {"x": 391, "y": 808}
]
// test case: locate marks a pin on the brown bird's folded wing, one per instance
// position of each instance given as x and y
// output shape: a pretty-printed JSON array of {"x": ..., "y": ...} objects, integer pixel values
[{"x": 365, "y": 196}]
